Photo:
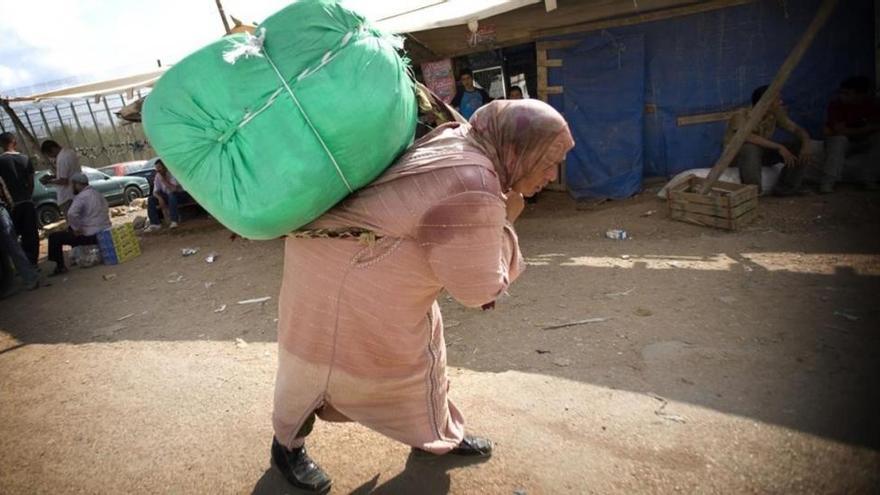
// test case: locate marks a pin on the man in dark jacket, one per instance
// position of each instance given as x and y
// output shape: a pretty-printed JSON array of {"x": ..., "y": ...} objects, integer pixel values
[{"x": 17, "y": 172}]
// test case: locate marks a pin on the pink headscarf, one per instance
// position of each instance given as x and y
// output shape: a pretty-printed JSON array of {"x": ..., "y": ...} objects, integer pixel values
[
  {"x": 520, "y": 136},
  {"x": 516, "y": 136}
]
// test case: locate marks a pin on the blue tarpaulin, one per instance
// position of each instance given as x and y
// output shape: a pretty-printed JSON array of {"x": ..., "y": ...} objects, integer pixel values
[
  {"x": 624, "y": 88},
  {"x": 607, "y": 138}
]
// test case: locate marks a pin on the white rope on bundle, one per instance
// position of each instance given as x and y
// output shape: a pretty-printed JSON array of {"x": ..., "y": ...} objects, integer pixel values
[{"x": 252, "y": 46}]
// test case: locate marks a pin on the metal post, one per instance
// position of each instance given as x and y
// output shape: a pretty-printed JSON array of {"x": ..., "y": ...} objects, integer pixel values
[
  {"x": 78, "y": 125},
  {"x": 112, "y": 123},
  {"x": 31, "y": 124},
  {"x": 46, "y": 123},
  {"x": 110, "y": 116},
  {"x": 23, "y": 135},
  {"x": 97, "y": 130},
  {"x": 127, "y": 131},
  {"x": 63, "y": 127},
  {"x": 223, "y": 17}
]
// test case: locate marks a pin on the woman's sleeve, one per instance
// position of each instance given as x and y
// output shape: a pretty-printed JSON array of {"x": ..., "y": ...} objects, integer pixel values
[{"x": 471, "y": 247}]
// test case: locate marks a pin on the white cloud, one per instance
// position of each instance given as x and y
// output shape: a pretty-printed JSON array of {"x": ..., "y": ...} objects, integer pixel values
[
  {"x": 50, "y": 40},
  {"x": 10, "y": 76}
]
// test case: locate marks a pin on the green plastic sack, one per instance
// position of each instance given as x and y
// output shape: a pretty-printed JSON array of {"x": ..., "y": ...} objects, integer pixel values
[{"x": 261, "y": 161}]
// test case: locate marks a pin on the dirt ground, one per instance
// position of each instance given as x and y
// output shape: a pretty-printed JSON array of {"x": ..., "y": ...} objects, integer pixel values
[{"x": 728, "y": 363}]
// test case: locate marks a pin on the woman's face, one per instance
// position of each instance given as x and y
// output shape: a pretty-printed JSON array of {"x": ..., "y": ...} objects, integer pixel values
[
  {"x": 536, "y": 180},
  {"x": 160, "y": 167}
]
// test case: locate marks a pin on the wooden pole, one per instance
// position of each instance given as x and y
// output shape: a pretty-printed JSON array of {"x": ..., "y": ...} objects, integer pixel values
[
  {"x": 770, "y": 96},
  {"x": 223, "y": 17}
]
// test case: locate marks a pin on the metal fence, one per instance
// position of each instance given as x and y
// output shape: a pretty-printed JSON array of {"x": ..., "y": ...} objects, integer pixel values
[{"x": 89, "y": 126}]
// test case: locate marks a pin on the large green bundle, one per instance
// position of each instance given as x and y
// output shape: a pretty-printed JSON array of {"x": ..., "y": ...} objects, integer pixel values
[{"x": 269, "y": 131}]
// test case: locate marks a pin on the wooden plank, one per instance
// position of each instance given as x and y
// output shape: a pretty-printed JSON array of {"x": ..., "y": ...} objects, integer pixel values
[
  {"x": 738, "y": 211},
  {"x": 685, "y": 191},
  {"x": 706, "y": 199},
  {"x": 554, "y": 90},
  {"x": 641, "y": 18},
  {"x": 745, "y": 193},
  {"x": 745, "y": 219},
  {"x": 556, "y": 45},
  {"x": 731, "y": 194},
  {"x": 770, "y": 96},
  {"x": 541, "y": 56},
  {"x": 705, "y": 118},
  {"x": 552, "y": 62},
  {"x": 687, "y": 206},
  {"x": 524, "y": 24},
  {"x": 721, "y": 212},
  {"x": 542, "y": 84},
  {"x": 725, "y": 187},
  {"x": 704, "y": 220},
  {"x": 710, "y": 221}
]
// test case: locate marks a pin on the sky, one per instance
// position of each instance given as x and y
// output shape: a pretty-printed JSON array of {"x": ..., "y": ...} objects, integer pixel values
[{"x": 45, "y": 44}]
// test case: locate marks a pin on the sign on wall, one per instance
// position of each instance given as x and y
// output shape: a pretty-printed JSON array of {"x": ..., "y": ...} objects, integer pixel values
[{"x": 440, "y": 78}]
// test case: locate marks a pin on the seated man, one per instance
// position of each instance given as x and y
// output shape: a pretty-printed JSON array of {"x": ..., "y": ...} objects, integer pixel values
[
  {"x": 167, "y": 195},
  {"x": 852, "y": 142},
  {"x": 760, "y": 146},
  {"x": 9, "y": 241},
  {"x": 88, "y": 215}
]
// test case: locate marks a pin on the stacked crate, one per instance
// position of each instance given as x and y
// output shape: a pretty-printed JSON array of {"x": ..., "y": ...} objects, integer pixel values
[{"x": 118, "y": 244}]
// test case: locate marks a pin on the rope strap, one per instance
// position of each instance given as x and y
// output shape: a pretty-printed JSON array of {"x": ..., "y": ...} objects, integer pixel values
[{"x": 252, "y": 46}]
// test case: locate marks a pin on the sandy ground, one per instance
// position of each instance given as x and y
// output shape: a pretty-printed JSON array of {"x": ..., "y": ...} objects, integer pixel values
[{"x": 729, "y": 363}]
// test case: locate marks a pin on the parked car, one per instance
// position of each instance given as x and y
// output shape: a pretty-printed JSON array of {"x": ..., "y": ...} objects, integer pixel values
[
  {"x": 137, "y": 168},
  {"x": 117, "y": 191}
]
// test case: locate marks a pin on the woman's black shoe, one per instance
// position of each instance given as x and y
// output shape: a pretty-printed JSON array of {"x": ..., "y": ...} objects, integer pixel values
[
  {"x": 470, "y": 446},
  {"x": 298, "y": 469},
  {"x": 473, "y": 446}
]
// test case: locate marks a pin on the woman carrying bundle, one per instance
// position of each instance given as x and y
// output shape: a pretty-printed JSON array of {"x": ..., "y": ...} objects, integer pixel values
[{"x": 360, "y": 332}]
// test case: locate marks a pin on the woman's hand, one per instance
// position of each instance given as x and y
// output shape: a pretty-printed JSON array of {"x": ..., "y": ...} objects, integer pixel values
[{"x": 515, "y": 205}]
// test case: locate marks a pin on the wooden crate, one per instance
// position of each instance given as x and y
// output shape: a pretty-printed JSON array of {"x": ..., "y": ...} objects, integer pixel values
[{"x": 727, "y": 206}]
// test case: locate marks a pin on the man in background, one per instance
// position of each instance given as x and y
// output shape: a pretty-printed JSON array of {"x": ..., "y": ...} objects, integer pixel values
[
  {"x": 852, "y": 136},
  {"x": 66, "y": 165},
  {"x": 17, "y": 172},
  {"x": 87, "y": 215},
  {"x": 9, "y": 243},
  {"x": 469, "y": 98},
  {"x": 515, "y": 93},
  {"x": 760, "y": 148},
  {"x": 167, "y": 195}
]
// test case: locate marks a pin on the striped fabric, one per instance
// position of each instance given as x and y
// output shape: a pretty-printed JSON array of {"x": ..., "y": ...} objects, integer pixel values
[{"x": 360, "y": 333}]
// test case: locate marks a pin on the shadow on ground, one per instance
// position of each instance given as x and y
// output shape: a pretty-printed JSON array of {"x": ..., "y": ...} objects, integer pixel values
[
  {"x": 425, "y": 476},
  {"x": 776, "y": 323}
]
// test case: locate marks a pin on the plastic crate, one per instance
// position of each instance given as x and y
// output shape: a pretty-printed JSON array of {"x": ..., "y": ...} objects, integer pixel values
[{"x": 118, "y": 244}]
